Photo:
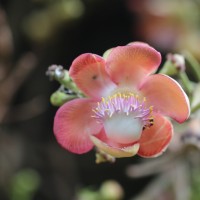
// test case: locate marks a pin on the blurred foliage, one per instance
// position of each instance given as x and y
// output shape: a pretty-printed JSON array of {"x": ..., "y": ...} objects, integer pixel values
[
  {"x": 109, "y": 190},
  {"x": 169, "y": 25},
  {"x": 42, "y": 24},
  {"x": 24, "y": 184}
]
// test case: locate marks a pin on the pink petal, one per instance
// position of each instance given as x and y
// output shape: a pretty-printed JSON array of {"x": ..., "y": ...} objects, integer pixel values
[
  {"x": 117, "y": 152},
  {"x": 73, "y": 125},
  {"x": 166, "y": 96},
  {"x": 154, "y": 140},
  {"x": 128, "y": 65},
  {"x": 88, "y": 72}
]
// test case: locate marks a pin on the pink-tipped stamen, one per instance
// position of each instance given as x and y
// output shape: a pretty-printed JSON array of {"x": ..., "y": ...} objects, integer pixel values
[{"x": 124, "y": 103}]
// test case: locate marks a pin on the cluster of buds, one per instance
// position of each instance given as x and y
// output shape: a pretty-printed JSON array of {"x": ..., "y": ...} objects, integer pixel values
[{"x": 67, "y": 90}]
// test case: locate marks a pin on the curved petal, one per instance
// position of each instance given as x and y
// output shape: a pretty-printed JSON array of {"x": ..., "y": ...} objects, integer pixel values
[
  {"x": 128, "y": 65},
  {"x": 117, "y": 152},
  {"x": 73, "y": 125},
  {"x": 154, "y": 140},
  {"x": 88, "y": 72},
  {"x": 166, "y": 96}
]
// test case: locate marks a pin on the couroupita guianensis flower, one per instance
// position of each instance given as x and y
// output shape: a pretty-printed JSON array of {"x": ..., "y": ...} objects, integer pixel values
[{"x": 126, "y": 104}]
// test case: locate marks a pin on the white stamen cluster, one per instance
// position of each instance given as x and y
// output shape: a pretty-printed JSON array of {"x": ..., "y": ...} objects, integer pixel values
[{"x": 128, "y": 104}]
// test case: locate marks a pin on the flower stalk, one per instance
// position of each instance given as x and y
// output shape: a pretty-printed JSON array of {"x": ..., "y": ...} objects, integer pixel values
[
  {"x": 68, "y": 89},
  {"x": 58, "y": 73},
  {"x": 195, "y": 108},
  {"x": 194, "y": 64},
  {"x": 187, "y": 84}
]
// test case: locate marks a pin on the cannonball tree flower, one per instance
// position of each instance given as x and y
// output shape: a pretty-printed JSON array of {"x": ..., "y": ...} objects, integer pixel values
[{"x": 126, "y": 104}]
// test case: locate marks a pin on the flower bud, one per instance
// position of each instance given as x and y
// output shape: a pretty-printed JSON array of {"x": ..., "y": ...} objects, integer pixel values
[
  {"x": 58, "y": 98},
  {"x": 111, "y": 190},
  {"x": 175, "y": 63}
]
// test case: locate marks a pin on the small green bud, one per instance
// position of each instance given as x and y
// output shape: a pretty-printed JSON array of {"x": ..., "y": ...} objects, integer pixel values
[
  {"x": 58, "y": 98},
  {"x": 57, "y": 72},
  {"x": 88, "y": 194},
  {"x": 175, "y": 63},
  {"x": 24, "y": 184},
  {"x": 111, "y": 190}
]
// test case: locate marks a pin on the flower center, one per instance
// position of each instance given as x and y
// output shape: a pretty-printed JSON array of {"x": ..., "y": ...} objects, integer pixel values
[{"x": 124, "y": 116}]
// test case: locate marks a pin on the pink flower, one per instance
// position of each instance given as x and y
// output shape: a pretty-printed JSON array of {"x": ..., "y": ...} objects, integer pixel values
[{"x": 124, "y": 112}]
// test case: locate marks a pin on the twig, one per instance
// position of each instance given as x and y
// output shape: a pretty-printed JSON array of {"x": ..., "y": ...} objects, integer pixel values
[
  {"x": 27, "y": 110},
  {"x": 150, "y": 167},
  {"x": 155, "y": 188},
  {"x": 11, "y": 84}
]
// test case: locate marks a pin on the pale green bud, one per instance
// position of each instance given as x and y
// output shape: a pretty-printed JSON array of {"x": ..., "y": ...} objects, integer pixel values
[
  {"x": 58, "y": 98},
  {"x": 111, "y": 190},
  {"x": 175, "y": 64}
]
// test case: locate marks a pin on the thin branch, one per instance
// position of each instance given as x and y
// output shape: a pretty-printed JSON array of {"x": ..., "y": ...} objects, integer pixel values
[
  {"x": 150, "y": 167},
  {"x": 25, "y": 111},
  {"x": 155, "y": 188},
  {"x": 12, "y": 83}
]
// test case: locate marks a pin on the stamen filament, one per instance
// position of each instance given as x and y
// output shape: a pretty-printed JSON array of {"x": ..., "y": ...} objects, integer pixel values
[{"x": 128, "y": 103}]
